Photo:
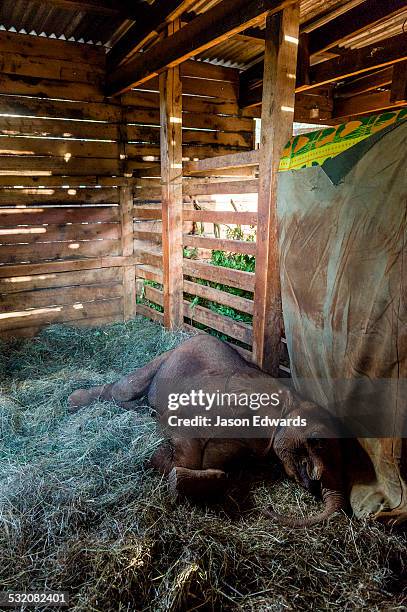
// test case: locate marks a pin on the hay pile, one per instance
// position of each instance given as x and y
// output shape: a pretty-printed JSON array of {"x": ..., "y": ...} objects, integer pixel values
[{"x": 80, "y": 513}]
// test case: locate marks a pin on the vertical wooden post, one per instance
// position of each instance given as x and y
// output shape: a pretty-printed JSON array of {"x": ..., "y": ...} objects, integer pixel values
[
  {"x": 276, "y": 128},
  {"x": 129, "y": 272},
  {"x": 171, "y": 179}
]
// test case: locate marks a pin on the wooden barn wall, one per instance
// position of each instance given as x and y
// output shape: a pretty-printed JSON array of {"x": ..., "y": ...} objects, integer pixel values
[
  {"x": 67, "y": 155},
  {"x": 213, "y": 125}
]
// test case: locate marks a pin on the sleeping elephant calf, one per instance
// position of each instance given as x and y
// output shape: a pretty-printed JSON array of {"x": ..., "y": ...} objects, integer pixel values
[{"x": 197, "y": 466}]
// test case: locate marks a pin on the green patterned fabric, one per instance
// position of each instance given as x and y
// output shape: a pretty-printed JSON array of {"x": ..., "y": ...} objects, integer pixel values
[{"x": 315, "y": 148}]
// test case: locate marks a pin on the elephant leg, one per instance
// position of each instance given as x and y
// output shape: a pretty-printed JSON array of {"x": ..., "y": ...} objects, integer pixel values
[
  {"x": 198, "y": 484},
  {"x": 124, "y": 391}
]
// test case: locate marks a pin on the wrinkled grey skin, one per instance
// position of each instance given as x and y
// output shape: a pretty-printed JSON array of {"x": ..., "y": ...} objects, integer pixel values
[{"x": 197, "y": 467}]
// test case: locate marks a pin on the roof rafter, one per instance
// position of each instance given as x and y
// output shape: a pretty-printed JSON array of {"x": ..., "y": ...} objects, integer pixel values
[
  {"x": 205, "y": 31},
  {"x": 154, "y": 19}
]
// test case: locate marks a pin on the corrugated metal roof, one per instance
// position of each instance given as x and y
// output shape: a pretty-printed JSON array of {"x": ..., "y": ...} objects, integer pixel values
[{"x": 42, "y": 18}]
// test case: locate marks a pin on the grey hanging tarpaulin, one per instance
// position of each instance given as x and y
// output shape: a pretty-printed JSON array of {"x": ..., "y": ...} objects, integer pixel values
[{"x": 344, "y": 278}]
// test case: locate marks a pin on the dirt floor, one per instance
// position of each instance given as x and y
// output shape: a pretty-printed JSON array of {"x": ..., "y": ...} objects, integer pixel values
[{"x": 79, "y": 511}]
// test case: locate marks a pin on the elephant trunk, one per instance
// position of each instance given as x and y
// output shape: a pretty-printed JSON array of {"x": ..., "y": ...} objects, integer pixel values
[{"x": 333, "y": 500}]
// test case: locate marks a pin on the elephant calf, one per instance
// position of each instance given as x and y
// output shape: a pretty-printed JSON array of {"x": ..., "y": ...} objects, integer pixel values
[{"x": 198, "y": 466}]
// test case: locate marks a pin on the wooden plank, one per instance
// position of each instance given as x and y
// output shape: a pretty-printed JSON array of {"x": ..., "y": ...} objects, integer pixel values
[
  {"x": 58, "y": 250},
  {"x": 11, "y": 217},
  {"x": 32, "y": 196},
  {"x": 352, "y": 22},
  {"x": 63, "y": 181},
  {"x": 225, "y": 325},
  {"x": 54, "y": 267},
  {"x": 364, "y": 104},
  {"x": 76, "y": 72},
  {"x": 398, "y": 91},
  {"x": 171, "y": 179},
  {"x": 219, "y": 296},
  {"x": 276, "y": 129},
  {"x": 53, "y": 280},
  {"x": 39, "y": 46},
  {"x": 60, "y": 314},
  {"x": 16, "y": 145},
  {"x": 358, "y": 61},
  {"x": 149, "y": 273},
  {"x": 150, "y": 313},
  {"x": 52, "y": 233},
  {"x": 34, "y": 165},
  {"x": 129, "y": 272},
  {"x": 217, "y": 274},
  {"x": 234, "y": 160},
  {"x": 57, "y": 128},
  {"x": 365, "y": 83},
  {"x": 60, "y": 109},
  {"x": 220, "y": 244},
  {"x": 225, "y": 216},
  {"x": 207, "y": 30},
  {"x": 235, "y": 329},
  {"x": 49, "y": 88},
  {"x": 42, "y": 298},
  {"x": 224, "y": 187},
  {"x": 154, "y": 17}
]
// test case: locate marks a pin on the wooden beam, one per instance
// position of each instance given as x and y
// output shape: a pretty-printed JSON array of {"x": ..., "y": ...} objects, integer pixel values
[
  {"x": 205, "y": 31},
  {"x": 358, "y": 61},
  {"x": 153, "y": 21},
  {"x": 398, "y": 92},
  {"x": 365, "y": 83},
  {"x": 327, "y": 36},
  {"x": 282, "y": 31},
  {"x": 352, "y": 22},
  {"x": 364, "y": 104},
  {"x": 171, "y": 179},
  {"x": 234, "y": 160},
  {"x": 128, "y": 271}
]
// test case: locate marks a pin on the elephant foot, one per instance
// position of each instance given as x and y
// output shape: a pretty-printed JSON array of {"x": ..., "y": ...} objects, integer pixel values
[
  {"x": 83, "y": 397},
  {"x": 199, "y": 484}
]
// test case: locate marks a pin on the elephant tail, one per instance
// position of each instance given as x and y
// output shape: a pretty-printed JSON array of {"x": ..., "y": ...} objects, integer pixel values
[{"x": 334, "y": 502}]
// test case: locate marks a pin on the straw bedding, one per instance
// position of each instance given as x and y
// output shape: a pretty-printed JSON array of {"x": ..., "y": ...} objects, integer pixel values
[{"x": 80, "y": 512}]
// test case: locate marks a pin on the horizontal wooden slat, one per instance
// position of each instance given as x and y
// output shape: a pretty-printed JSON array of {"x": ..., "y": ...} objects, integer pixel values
[
  {"x": 234, "y": 329},
  {"x": 34, "y": 164},
  {"x": 224, "y": 187},
  {"x": 235, "y": 160},
  {"x": 36, "y": 46},
  {"x": 147, "y": 254},
  {"x": 62, "y": 109},
  {"x": 58, "y": 250},
  {"x": 57, "y": 279},
  {"x": 57, "y": 147},
  {"x": 53, "y": 233},
  {"x": 35, "y": 196},
  {"x": 224, "y": 216},
  {"x": 64, "y": 181},
  {"x": 11, "y": 217},
  {"x": 43, "y": 298},
  {"x": 218, "y": 274},
  {"x": 57, "y": 128},
  {"x": 49, "y": 88},
  {"x": 148, "y": 211},
  {"x": 61, "y": 314},
  {"x": 150, "y": 313},
  {"x": 220, "y": 244},
  {"x": 17, "y": 63},
  {"x": 54, "y": 267},
  {"x": 219, "y": 296},
  {"x": 149, "y": 273}
]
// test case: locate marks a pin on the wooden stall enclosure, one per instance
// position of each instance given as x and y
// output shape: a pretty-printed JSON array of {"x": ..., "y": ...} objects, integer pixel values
[{"x": 128, "y": 166}]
